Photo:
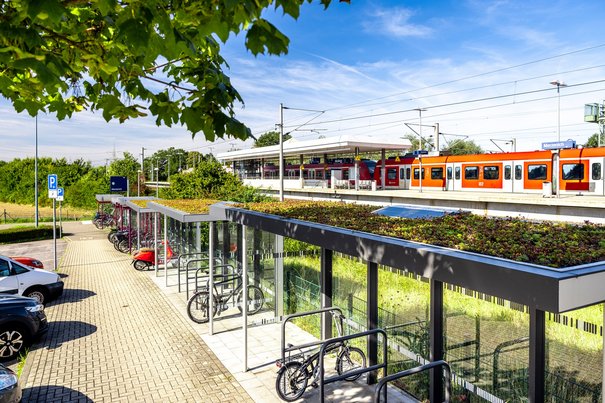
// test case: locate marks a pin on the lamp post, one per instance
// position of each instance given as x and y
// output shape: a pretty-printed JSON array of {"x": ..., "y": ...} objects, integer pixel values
[
  {"x": 157, "y": 182},
  {"x": 139, "y": 183},
  {"x": 559, "y": 84}
]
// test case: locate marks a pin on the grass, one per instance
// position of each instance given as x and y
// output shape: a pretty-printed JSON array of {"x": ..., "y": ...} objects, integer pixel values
[{"x": 10, "y": 213}]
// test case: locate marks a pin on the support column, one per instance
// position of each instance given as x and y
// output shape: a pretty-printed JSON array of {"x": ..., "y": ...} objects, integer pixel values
[
  {"x": 226, "y": 242},
  {"x": 372, "y": 314},
  {"x": 383, "y": 169},
  {"x": 166, "y": 250},
  {"x": 211, "y": 301},
  {"x": 436, "y": 334},
  {"x": 156, "y": 250},
  {"x": 242, "y": 259},
  {"x": 326, "y": 292},
  {"x": 139, "y": 230},
  {"x": 256, "y": 262},
  {"x": 537, "y": 349},
  {"x": 356, "y": 168}
]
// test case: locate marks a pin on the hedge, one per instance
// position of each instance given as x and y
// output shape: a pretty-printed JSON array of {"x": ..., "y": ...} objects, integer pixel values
[{"x": 23, "y": 234}]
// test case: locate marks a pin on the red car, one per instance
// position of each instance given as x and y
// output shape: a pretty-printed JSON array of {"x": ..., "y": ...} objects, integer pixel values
[{"x": 29, "y": 261}]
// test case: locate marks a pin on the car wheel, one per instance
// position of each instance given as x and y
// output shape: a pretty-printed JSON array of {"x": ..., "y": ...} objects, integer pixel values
[
  {"x": 13, "y": 341},
  {"x": 37, "y": 294}
]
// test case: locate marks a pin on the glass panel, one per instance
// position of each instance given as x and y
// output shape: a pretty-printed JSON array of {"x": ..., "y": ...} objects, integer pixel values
[
  {"x": 596, "y": 170},
  {"x": 486, "y": 343},
  {"x": 449, "y": 173},
  {"x": 536, "y": 172},
  {"x": 507, "y": 172},
  {"x": 471, "y": 173},
  {"x": 407, "y": 173},
  {"x": 401, "y": 173},
  {"x": 518, "y": 172},
  {"x": 457, "y": 173},
  {"x": 573, "y": 172},
  {"x": 491, "y": 172},
  {"x": 574, "y": 355},
  {"x": 391, "y": 173},
  {"x": 436, "y": 173}
]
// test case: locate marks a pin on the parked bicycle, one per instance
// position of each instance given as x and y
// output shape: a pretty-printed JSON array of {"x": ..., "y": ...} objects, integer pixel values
[
  {"x": 295, "y": 373},
  {"x": 198, "y": 306}
]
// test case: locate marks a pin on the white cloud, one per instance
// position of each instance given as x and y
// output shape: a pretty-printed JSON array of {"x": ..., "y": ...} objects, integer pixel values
[{"x": 394, "y": 22}]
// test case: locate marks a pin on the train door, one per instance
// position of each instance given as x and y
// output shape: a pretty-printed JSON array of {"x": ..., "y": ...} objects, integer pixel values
[
  {"x": 456, "y": 182},
  {"x": 517, "y": 176},
  {"x": 404, "y": 176},
  {"x": 597, "y": 176},
  {"x": 508, "y": 178},
  {"x": 449, "y": 177}
]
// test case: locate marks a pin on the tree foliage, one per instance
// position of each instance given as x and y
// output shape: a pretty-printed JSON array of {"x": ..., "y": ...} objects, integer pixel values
[
  {"x": 593, "y": 141},
  {"x": 462, "y": 147},
  {"x": 133, "y": 58},
  {"x": 427, "y": 142},
  {"x": 270, "y": 139}
]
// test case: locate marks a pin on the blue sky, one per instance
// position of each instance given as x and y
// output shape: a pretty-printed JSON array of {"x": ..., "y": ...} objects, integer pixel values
[{"x": 479, "y": 68}]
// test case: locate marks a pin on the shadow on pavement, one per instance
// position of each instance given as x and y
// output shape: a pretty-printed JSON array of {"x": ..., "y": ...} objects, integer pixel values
[
  {"x": 53, "y": 393},
  {"x": 72, "y": 295},
  {"x": 61, "y": 331}
]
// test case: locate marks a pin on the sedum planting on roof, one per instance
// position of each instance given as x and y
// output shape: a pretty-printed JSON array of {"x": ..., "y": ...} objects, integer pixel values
[
  {"x": 191, "y": 206},
  {"x": 545, "y": 243}
]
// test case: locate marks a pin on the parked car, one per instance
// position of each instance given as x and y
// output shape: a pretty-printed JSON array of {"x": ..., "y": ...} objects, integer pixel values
[
  {"x": 10, "y": 391},
  {"x": 16, "y": 278},
  {"x": 22, "y": 321},
  {"x": 28, "y": 261}
]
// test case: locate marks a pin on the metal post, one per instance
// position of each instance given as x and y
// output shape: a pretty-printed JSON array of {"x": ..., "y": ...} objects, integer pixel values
[
  {"x": 281, "y": 152},
  {"x": 60, "y": 219},
  {"x": 537, "y": 349},
  {"x": 256, "y": 261},
  {"x": 166, "y": 249},
  {"x": 139, "y": 230},
  {"x": 436, "y": 331},
  {"x": 155, "y": 242},
  {"x": 356, "y": 168},
  {"x": 244, "y": 262},
  {"x": 55, "y": 233},
  {"x": 210, "y": 278},
  {"x": 372, "y": 319},
  {"x": 383, "y": 169},
  {"x": 36, "y": 176},
  {"x": 436, "y": 136},
  {"x": 326, "y": 292},
  {"x": 279, "y": 276}
]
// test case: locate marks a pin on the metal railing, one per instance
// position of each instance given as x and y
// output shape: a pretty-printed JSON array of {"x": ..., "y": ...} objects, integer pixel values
[{"x": 390, "y": 378}]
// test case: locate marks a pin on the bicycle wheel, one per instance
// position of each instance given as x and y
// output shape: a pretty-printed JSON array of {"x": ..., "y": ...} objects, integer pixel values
[
  {"x": 349, "y": 359},
  {"x": 256, "y": 300},
  {"x": 123, "y": 246},
  {"x": 291, "y": 381},
  {"x": 198, "y": 307}
]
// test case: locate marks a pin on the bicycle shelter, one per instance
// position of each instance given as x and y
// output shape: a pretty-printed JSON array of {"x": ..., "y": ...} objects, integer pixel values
[{"x": 465, "y": 308}]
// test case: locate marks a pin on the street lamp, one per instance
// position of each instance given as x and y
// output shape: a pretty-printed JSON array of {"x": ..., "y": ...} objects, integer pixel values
[
  {"x": 139, "y": 183},
  {"x": 157, "y": 182},
  {"x": 559, "y": 84}
]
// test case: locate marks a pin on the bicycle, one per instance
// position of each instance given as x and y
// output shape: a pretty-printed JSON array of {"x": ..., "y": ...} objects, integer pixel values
[
  {"x": 198, "y": 305},
  {"x": 294, "y": 374}
]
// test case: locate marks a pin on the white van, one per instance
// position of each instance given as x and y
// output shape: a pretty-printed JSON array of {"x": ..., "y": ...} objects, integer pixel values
[{"x": 16, "y": 278}]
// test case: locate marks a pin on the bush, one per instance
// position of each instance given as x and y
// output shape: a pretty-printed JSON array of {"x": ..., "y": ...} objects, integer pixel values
[{"x": 23, "y": 234}]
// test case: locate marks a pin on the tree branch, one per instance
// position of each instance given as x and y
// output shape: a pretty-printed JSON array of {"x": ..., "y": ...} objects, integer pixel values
[{"x": 171, "y": 85}]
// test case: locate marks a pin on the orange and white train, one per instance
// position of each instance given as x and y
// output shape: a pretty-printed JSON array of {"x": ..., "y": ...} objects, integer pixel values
[{"x": 577, "y": 170}]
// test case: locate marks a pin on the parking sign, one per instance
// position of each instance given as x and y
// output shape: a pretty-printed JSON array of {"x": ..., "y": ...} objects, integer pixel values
[
  {"x": 60, "y": 194},
  {"x": 52, "y": 186}
]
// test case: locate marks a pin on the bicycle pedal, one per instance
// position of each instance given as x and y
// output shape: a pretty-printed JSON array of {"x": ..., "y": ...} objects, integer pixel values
[{"x": 315, "y": 385}]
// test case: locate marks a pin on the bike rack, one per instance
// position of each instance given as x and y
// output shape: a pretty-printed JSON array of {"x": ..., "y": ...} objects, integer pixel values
[
  {"x": 285, "y": 350},
  {"x": 416, "y": 370},
  {"x": 327, "y": 343},
  {"x": 178, "y": 264},
  {"x": 204, "y": 269}
]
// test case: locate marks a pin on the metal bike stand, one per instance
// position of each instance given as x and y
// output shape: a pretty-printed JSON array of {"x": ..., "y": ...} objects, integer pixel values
[
  {"x": 416, "y": 370},
  {"x": 244, "y": 262},
  {"x": 327, "y": 343},
  {"x": 183, "y": 256},
  {"x": 210, "y": 280},
  {"x": 285, "y": 350}
]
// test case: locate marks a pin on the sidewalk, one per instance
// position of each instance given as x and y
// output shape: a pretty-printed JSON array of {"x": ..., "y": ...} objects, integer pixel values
[{"x": 115, "y": 337}]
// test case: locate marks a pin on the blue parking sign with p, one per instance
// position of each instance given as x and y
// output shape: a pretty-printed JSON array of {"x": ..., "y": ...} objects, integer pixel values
[{"x": 52, "y": 186}]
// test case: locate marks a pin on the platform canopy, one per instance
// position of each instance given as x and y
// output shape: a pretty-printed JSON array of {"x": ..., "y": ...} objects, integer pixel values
[{"x": 330, "y": 145}]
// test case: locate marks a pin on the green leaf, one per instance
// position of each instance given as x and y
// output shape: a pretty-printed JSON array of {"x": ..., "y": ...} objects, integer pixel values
[{"x": 264, "y": 37}]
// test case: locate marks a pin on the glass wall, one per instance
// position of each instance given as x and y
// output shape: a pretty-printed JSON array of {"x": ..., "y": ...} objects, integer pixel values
[
  {"x": 574, "y": 355},
  {"x": 487, "y": 345}
]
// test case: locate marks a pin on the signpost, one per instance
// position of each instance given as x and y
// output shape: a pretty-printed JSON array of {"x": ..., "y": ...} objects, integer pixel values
[
  {"x": 52, "y": 194},
  {"x": 60, "y": 193}
]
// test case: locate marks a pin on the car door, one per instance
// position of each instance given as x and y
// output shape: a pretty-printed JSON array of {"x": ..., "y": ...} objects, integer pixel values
[
  {"x": 9, "y": 284},
  {"x": 26, "y": 277}
]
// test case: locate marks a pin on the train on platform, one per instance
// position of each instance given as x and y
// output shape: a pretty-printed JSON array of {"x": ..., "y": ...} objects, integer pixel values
[{"x": 577, "y": 171}]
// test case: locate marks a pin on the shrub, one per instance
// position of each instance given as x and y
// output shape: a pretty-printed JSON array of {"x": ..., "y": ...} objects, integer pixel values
[{"x": 23, "y": 234}]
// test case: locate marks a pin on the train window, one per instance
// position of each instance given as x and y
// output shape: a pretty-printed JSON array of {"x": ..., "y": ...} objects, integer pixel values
[
  {"x": 491, "y": 172},
  {"x": 596, "y": 171},
  {"x": 536, "y": 172},
  {"x": 449, "y": 173},
  {"x": 507, "y": 172},
  {"x": 345, "y": 174},
  {"x": 401, "y": 173},
  {"x": 408, "y": 173},
  {"x": 392, "y": 174},
  {"x": 518, "y": 172},
  {"x": 471, "y": 173},
  {"x": 573, "y": 172},
  {"x": 457, "y": 174},
  {"x": 436, "y": 173},
  {"x": 416, "y": 170}
]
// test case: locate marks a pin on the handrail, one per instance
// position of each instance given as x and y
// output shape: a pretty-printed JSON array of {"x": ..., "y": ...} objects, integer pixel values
[
  {"x": 284, "y": 350},
  {"x": 327, "y": 343},
  {"x": 415, "y": 370}
]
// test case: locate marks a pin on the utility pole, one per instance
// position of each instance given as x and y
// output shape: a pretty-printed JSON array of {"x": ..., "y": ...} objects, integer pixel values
[{"x": 281, "y": 152}]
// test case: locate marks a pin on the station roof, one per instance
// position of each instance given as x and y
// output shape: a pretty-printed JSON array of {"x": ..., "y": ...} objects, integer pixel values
[
  {"x": 330, "y": 145},
  {"x": 409, "y": 211}
]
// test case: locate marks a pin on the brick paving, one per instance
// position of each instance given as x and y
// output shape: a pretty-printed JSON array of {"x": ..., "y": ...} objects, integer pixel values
[{"x": 114, "y": 336}]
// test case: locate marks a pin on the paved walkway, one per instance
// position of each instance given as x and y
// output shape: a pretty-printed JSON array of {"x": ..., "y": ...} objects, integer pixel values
[{"x": 115, "y": 337}]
